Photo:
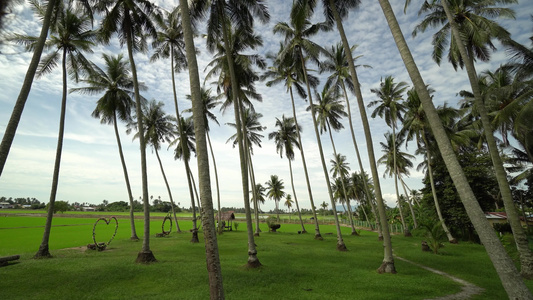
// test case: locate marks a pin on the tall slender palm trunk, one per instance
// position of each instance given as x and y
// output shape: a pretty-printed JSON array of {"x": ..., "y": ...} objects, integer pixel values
[
  {"x": 253, "y": 261},
  {"x": 168, "y": 189},
  {"x": 134, "y": 236},
  {"x": 318, "y": 236},
  {"x": 340, "y": 242},
  {"x": 194, "y": 230},
  {"x": 450, "y": 237},
  {"x": 14, "y": 120},
  {"x": 295, "y": 197},
  {"x": 413, "y": 215},
  {"x": 43, "y": 248},
  {"x": 406, "y": 231},
  {"x": 526, "y": 256},
  {"x": 509, "y": 276},
  {"x": 216, "y": 176},
  {"x": 352, "y": 225},
  {"x": 254, "y": 192},
  {"x": 216, "y": 289},
  {"x": 388, "y": 261}
]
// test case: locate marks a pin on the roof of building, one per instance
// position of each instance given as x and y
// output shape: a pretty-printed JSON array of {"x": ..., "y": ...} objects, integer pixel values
[{"x": 226, "y": 216}]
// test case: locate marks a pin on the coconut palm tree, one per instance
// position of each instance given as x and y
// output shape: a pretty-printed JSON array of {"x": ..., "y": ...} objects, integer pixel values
[
  {"x": 288, "y": 73},
  {"x": 209, "y": 103},
  {"x": 297, "y": 42},
  {"x": 216, "y": 289},
  {"x": 288, "y": 203},
  {"x": 511, "y": 280},
  {"x": 159, "y": 127},
  {"x": 14, "y": 119},
  {"x": 340, "y": 172},
  {"x": 116, "y": 104},
  {"x": 131, "y": 21},
  {"x": 185, "y": 144},
  {"x": 286, "y": 139},
  {"x": 389, "y": 107},
  {"x": 70, "y": 36},
  {"x": 275, "y": 191},
  {"x": 468, "y": 37},
  {"x": 415, "y": 126}
]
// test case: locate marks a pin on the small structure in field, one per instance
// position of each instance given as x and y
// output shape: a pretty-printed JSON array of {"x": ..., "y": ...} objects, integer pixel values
[{"x": 226, "y": 218}]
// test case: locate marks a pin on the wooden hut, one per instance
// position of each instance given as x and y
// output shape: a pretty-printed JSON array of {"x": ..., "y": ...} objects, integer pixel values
[{"x": 226, "y": 218}]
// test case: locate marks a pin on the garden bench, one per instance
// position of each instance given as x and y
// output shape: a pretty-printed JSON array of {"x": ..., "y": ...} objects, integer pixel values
[{"x": 4, "y": 260}]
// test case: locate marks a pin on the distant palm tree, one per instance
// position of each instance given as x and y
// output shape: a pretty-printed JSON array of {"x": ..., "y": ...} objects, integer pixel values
[
  {"x": 340, "y": 172},
  {"x": 70, "y": 36},
  {"x": 116, "y": 104},
  {"x": 131, "y": 21},
  {"x": 286, "y": 139},
  {"x": 288, "y": 203},
  {"x": 275, "y": 191},
  {"x": 159, "y": 127}
]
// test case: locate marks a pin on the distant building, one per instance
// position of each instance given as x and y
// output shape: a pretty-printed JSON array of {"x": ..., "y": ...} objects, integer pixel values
[
  {"x": 501, "y": 217},
  {"x": 5, "y": 205},
  {"x": 88, "y": 208}
]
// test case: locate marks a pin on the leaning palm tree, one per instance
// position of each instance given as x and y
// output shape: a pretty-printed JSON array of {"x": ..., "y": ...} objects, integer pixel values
[
  {"x": 159, "y": 127},
  {"x": 70, "y": 36},
  {"x": 286, "y": 139},
  {"x": 389, "y": 107},
  {"x": 468, "y": 37},
  {"x": 275, "y": 191},
  {"x": 329, "y": 111},
  {"x": 130, "y": 20},
  {"x": 14, "y": 119},
  {"x": 216, "y": 289},
  {"x": 116, "y": 104},
  {"x": 288, "y": 73},
  {"x": 415, "y": 126},
  {"x": 297, "y": 42},
  {"x": 509, "y": 276},
  {"x": 209, "y": 102},
  {"x": 185, "y": 144}
]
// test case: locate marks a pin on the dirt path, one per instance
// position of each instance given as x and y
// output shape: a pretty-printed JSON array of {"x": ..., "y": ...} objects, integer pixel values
[{"x": 468, "y": 290}]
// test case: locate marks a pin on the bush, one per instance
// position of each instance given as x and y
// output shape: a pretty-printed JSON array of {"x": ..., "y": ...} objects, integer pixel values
[{"x": 502, "y": 227}]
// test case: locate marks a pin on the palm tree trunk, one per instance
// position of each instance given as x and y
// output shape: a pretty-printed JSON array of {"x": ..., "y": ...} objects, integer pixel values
[
  {"x": 134, "y": 236},
  {"x": 216, "y": 176},
  {"x": 511, "y": 280},
  {"x": 450, "y": 237},
  {"x": 406, "y": 231},
  {"x": 196, "y": 193},
  {"x": 354, "y": 232},
  {"x": 214, "y": 270},
  {"x": 253, "y": 261},
  {"x": 254, "y": 192},
  {"x": 295, "y": 197},
  {"x": 14, "y": 120},
  {"x": 388, "y": 261},
  {"x": 43, "y": 248},
  {"x": 409, "y": 202},
  {"x": 168, "y": 189},
  {"x": 145, "y": 255},
  {"x": 318, "y": 236},
  {"x": 526, "y": 256},
  {"x": 340, "y": 242},
  {"x": 194, "y": 230}
]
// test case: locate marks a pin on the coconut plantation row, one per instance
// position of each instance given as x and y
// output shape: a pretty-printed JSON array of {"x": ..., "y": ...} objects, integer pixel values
[{"x": 301, "y": 68}]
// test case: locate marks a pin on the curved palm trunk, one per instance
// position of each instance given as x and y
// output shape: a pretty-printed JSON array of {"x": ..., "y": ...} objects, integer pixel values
[
  {"x": 214, "y": 270},
  {"x": 340, "y": 242},
  {"x": 354, "y": 141},
  {"x": 318, "y": 236},
  {"x": 509, "y": 276},
  {"x": 450, "y": 237},
  {"x": 296, "y": 198},
  {"x": 43, "y": 248},
  {"x": 168, "y": 189},
  {"x": 388, "y": 261},
  {"x": 194, "y": 230},
  {"x": 254, "y": 192},
  {"x": 406, "y": 231},
  {"x": 145, "y": 255},
  {"x": 413, "y": 215},
  {"x": 216, "y": 176},
  {"x": 134, "y": 236},
  {"x": 253, "y": 261},
  {"x": 14, "y": 120},
  {"x": 196, "y": 193},
  {"x": 354, "y": 232},
  {"x": 526, "y": 256}
]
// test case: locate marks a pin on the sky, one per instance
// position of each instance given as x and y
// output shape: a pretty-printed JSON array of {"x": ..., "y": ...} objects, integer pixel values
[{"x": 90, "y": 166}]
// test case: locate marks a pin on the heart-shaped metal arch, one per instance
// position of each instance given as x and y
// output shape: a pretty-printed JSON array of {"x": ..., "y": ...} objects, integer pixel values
[{"x": 107, "y": 223}]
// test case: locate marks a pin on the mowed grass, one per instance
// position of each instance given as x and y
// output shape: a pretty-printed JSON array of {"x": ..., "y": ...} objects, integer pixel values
[{"x": 294, "y": 266}]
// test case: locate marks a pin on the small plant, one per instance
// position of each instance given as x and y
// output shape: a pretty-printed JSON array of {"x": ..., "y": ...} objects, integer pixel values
[
  {"x": 236, "y": 226},
  {"x": 434, "y": 234}
]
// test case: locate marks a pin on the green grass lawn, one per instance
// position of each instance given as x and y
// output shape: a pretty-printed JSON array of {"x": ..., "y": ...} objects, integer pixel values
[{"x": 294, "y": 266}]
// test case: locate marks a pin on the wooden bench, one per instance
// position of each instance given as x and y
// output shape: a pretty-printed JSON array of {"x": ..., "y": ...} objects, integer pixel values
[{"x": 4, "y": 260}]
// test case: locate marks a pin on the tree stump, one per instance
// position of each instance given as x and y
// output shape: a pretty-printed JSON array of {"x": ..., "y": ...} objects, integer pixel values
[{"x": 6, "y": 259}]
